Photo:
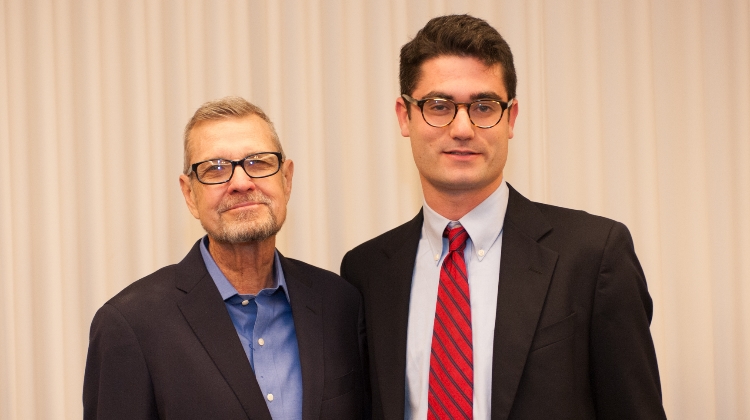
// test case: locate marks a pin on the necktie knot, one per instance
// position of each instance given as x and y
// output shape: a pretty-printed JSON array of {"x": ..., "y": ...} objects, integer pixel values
[{"x": 457, "y": 237}]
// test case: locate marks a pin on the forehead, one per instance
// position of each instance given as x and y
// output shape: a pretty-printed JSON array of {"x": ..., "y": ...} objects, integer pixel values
[
  {"x": 459, "y": 77},
  {"x": 230, "y": 138}
]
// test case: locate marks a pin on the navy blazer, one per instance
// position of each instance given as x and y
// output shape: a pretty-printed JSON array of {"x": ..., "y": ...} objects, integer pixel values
[
  {"x": 165, "y": 347},
  {"x": 572, "y": 337}
]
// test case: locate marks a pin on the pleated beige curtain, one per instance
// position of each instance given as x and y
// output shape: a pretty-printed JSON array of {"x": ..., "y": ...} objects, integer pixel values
[{"x": 632, "y": 109}]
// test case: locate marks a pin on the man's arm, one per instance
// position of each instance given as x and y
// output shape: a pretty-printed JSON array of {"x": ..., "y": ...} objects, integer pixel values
[
  {"x": 117, "y": 384},
  {"x": 365, "y": 361},
  {"x": 624, "y": 372}
]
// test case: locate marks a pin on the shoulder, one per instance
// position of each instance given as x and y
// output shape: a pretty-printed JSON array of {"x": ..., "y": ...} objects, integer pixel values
[
  {"x": 149, "y": 300},
  {"x": 151, "y": 288},
  {"x": 569, "y": 232},
  {"x": 323, "y": 281},
  {"x": 144, "y": 310},
  {"x": 163, "y": 285},
  {"x": 545, "y": 221},
  {"x": 294, "y": 266},
  {"x": 391, "y": 240},
  {"x": 578, "y": 234},
  {"x": 574, "y": 220}
]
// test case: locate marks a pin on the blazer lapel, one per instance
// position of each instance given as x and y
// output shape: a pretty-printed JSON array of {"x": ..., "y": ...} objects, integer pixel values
[
  {"x": 390, "y": 295},
  {"x": 207, "y": 315},
  {"x": 307, "y": 311},
  {"x": 525, "y": 272}
]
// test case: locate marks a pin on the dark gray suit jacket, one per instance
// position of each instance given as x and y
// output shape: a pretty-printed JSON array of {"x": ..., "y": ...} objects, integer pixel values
[
  {"x": 572, "y": 337},
  {"x": 165, "y": 347}
]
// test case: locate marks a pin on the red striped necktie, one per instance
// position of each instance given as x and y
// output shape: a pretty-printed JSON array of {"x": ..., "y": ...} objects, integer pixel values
[{"x": 451, "y": 392}]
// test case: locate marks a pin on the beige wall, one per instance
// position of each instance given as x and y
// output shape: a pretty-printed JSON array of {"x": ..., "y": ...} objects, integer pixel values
[{"x": 633, "y": 109}]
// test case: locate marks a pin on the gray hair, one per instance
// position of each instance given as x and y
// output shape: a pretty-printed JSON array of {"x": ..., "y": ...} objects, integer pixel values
[{"x": 228, "y": 107}]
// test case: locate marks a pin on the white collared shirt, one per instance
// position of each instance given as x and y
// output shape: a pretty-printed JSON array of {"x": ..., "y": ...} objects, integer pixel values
[{"x": 484, "y": 224}]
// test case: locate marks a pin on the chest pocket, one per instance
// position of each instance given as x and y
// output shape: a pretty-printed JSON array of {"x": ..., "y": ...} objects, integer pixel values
[
  {"x": 338, "y": 386},
  {"x": 558, "y": 331}
]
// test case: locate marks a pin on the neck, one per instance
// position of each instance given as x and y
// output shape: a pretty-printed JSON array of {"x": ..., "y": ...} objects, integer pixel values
[
  {"x": 247, "y": 266},
  {"x": 455, "y": 204}
]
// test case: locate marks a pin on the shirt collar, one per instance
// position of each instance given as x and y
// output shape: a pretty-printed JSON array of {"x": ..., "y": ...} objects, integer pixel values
[
  {"x": 226, "y": 289},
  {"x": 483, "y": 223}
]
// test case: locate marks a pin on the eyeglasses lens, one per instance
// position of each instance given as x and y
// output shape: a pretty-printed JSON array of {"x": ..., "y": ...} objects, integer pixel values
[
  {"x": 262, "y": 165},
  {"x": 221, "y": 170},
  {"x": 214, "y": 171},
  {"x": 483, "y": 113}
]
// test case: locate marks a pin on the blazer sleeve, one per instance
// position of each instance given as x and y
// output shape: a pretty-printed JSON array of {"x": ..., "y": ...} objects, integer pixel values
[
  {"x": 624, "y": 372},
  {"x": 365, "y": 361},
  {"x": 116, "y": 384}
]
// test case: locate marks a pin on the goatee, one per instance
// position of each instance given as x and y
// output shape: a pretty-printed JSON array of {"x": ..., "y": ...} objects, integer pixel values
[{"x": 248, "y": 226}]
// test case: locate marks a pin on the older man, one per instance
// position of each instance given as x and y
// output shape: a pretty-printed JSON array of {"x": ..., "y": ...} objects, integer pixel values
[
  {"x": 487, "y": 305},
  {"x": 235, "y": 330}
]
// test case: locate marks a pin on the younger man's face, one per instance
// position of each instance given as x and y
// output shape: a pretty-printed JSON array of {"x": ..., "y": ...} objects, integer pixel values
[{"x": 460, "y": 157}]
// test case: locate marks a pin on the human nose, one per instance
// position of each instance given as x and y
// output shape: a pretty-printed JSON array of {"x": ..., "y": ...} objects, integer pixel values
[
  {"x": 461, "y": 127},
  {"x": 240, "y": 180}
]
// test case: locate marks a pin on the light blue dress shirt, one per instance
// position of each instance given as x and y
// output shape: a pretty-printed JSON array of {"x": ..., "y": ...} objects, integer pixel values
[
  {"x": 484, "y": 224},
  {"x": 265, "y": 327}
]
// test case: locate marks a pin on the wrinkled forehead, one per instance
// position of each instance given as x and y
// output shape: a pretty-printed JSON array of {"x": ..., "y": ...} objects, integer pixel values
[{"x": 231, "y": 138}]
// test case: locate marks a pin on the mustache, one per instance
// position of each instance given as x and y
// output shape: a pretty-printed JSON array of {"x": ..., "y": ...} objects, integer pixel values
[{"x": 253, "y": 197}]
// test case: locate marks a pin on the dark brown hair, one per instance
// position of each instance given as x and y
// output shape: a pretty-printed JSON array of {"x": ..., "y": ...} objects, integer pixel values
[{"x": 459, "y": 35}]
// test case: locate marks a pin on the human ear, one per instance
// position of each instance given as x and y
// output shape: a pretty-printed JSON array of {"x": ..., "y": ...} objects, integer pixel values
[
  {"x": 402, "y": 113},
  {"x": 189, "y": 194},
  {"x": 512, "y": 114}
]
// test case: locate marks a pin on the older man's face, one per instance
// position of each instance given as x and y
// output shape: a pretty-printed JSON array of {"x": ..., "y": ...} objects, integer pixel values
[{"x": 244, "y": 209}]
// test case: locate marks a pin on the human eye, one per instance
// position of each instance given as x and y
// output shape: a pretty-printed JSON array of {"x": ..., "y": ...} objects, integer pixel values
[
  {"x": 261, "y": 164},
  {"x": 486, "y": 107},
  {"x": 259, "y": 160},
  {"x": 214, "y": 169},
  {"x": 438, "y": 106}
]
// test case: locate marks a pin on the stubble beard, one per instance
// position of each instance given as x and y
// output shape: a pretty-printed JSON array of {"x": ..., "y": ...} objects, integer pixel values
[{"x": 247, "y": 226}]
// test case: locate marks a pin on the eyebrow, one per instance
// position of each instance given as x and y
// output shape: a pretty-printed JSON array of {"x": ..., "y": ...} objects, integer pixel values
[
  {"x": 245, "y": 157},
  {"x": 473, "y": 97}
]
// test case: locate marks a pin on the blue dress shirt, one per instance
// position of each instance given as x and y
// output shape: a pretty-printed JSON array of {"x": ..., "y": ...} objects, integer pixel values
[{"x": 265, "y": 327}]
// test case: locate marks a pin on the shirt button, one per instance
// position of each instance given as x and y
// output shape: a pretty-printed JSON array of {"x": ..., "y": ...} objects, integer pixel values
[
  {"x": 245, "y": 302},
  {"x": 437, "y": 257},
  {"x": 270, "y": 397},
  {"x": 481, "y": 253},
  {"x": 262, "y": 342}
]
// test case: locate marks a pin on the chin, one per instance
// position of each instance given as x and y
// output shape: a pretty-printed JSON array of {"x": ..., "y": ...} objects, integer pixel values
[
  {"x": 464, "y": 185},
  {"x": 243, "y": 231}
]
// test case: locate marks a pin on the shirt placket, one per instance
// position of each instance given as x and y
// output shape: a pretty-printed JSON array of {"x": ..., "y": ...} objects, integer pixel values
[{"x": 263, "y": 352}]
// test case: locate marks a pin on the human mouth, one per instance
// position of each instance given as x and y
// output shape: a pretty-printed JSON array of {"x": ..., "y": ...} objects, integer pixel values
[
  {"x": 243, "y": 202},
  {"x": 243, "y": 205},
  {"x": 460, "y": 152}
]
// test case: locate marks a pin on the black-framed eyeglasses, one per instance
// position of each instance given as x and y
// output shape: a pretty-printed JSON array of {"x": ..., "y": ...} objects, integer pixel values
[
  {"x": 439, "y": 112},
  {"x": 219, "y": 171}
]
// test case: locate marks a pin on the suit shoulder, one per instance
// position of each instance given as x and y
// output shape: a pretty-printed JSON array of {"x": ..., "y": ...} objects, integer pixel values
[
  {"x": 576, "y": 230},
  {"x": 320, "y": 277},
  {"x": 152, "y": 287},
  {"x": 392, "y": 236},
  {"x": 572, "y": 219},
  {"x": 311, "y": 270}
]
